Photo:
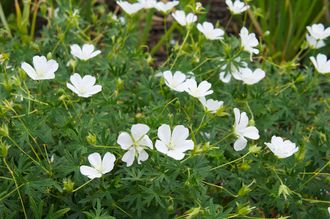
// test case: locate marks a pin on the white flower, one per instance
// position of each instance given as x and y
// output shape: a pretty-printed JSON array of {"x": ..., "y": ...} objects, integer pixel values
[
  {"x": 318, "y": 31},
  {"x": 281, "y": 148},
  {"x": 84, "y": 53},
  {"x": 135, "y": 143},
  {"x": 176, "y": 81},
  {"x": 249, "y": 77},
  {"x": 243, "y": 131},
  {"x": 83, "y": 87},
  {"x": 249, "y": 41},
  {"x": 43, "y": 69},
  {"x": 165, "y": 7},
  {"x": 209, "y": 31},
  {"x": 211, "y": 105},
  {"x": 233, "y": 71},
  {"x": 321, "y": 63},
  {"x": 147, "y": 4},
  {"x": 130, "y": 8},
  {"x": 313, "y": 43},
  {"x": 237, "y": 7},
  {"x": 173, "y": 144},
  {"x": 202, "y": 90},
  {"x": 98, "y": 166},
  {"x": 182, "y": 19}
]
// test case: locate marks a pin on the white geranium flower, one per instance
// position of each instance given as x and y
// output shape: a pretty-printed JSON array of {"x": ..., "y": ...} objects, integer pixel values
[
  {"x": 147, "y": 4},
  {"x": 135, "y": 143},
  {"x": 83, "y": 87},
  {"x": 281, "y": 148},
  {"x": 173, "y": 144},
  {"x": 250, "y": 77},
  {"x": 84, "y": 53},
  {"x": 243, "y": 131},
  {"x": 234, "y": 70},
  {"x": 321, "y": 63},
  {"x": 209, "y": 31},
  {"x": 202, "y": 90},
  {"x": 314, "y": 43},
  {"x": 98, "y": 166},
  {"x": 43, "y": 69},
  {"x": 130, "y": 8},
  {"x": 211, "y": 105},
  {"x": 165, "y": 7},
  {"x": 237, "y": 7},
  {"x": 318, "y": 31},
  {"x": 176, "y": 81},
  {"x": 249, "y": 41},
  {"x": 183, "y": 19}
]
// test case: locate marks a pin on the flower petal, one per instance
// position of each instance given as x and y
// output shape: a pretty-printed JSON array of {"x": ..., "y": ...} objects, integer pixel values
[
  {"x": 180, "y": 133},
  {"x": 124, "y": 140},
  {"x": 128, "y": 157},
  {"x": 161, "y": 147},
  {"x": 177, "y": 155},
  {"x": 240, "y": 144},
  {"x": 164, "y": 133},
  {"x": 139, "y": 130},
  {"x": 143, "y": 156},
  {"x": 29, "y": 70},
  {"x": 108, "y": 162},
  {"x": 89, "y": 172},
  {"x": 251, "y": 132},
  {"x": 95, "y": 160}
]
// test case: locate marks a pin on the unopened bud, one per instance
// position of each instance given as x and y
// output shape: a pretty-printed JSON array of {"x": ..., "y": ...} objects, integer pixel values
[{"x": 91, "y": 139}]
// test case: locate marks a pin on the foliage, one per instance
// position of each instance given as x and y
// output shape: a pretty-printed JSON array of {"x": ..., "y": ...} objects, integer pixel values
[{"x": 47, "y": 131}]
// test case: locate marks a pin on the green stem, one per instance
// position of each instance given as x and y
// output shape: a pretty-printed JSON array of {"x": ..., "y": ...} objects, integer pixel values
[
  {"x": 147, "y": 28},
  {"x": 21, "y": 149},
  {"x": 220, "y": 187},
  {"x": 233, "y": 161},
  {"x": 82, "y": 185},
  {"x": 315, "y": 175},
  {"x": 34, "y": 19},
  {"x": 163, "y": 39},
  {"x": 180, "y": 49},
  {"x": 16, "y": 186},
  {"x": 4, "y": 21}
]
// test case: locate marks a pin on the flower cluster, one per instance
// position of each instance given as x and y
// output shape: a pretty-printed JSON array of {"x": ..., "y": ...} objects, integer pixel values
[
  {"x": 315, "y": 39},
  {"x": 44, "y": 69},
  {"x": 174, "y": 144},
  {"x": 132, "y": 8}
]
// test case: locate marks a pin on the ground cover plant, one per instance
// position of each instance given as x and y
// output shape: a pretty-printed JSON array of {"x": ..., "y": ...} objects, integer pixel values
[{"x": 102, "y": 115}]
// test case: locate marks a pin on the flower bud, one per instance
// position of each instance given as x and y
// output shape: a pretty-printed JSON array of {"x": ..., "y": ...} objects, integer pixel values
[
  {"x": 119, "y": 84},
  {"x": 68, "y": 185},
  {"x": 49, "y": 55},
  {"x": 150, "y": 60},
  {"x": 91, "y": 139},
  {"x": 254, "y": 149},
  {"x": 4, "y": 130},
  {"x": 22, "y": 74},
  {"x": 244, "y": 209},
  {"x": 252, "y": 122},
  {"x": 245, "y": 189},
  {"x": 284, "y": 190},
  {"x": 244, "y": 166},
  {"x": 139, "y": 115},
  {"x": 4, "y": 149}
]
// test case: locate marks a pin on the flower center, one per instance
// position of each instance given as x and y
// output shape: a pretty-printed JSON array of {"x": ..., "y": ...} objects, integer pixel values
[{"x": 171, "y": 145}]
